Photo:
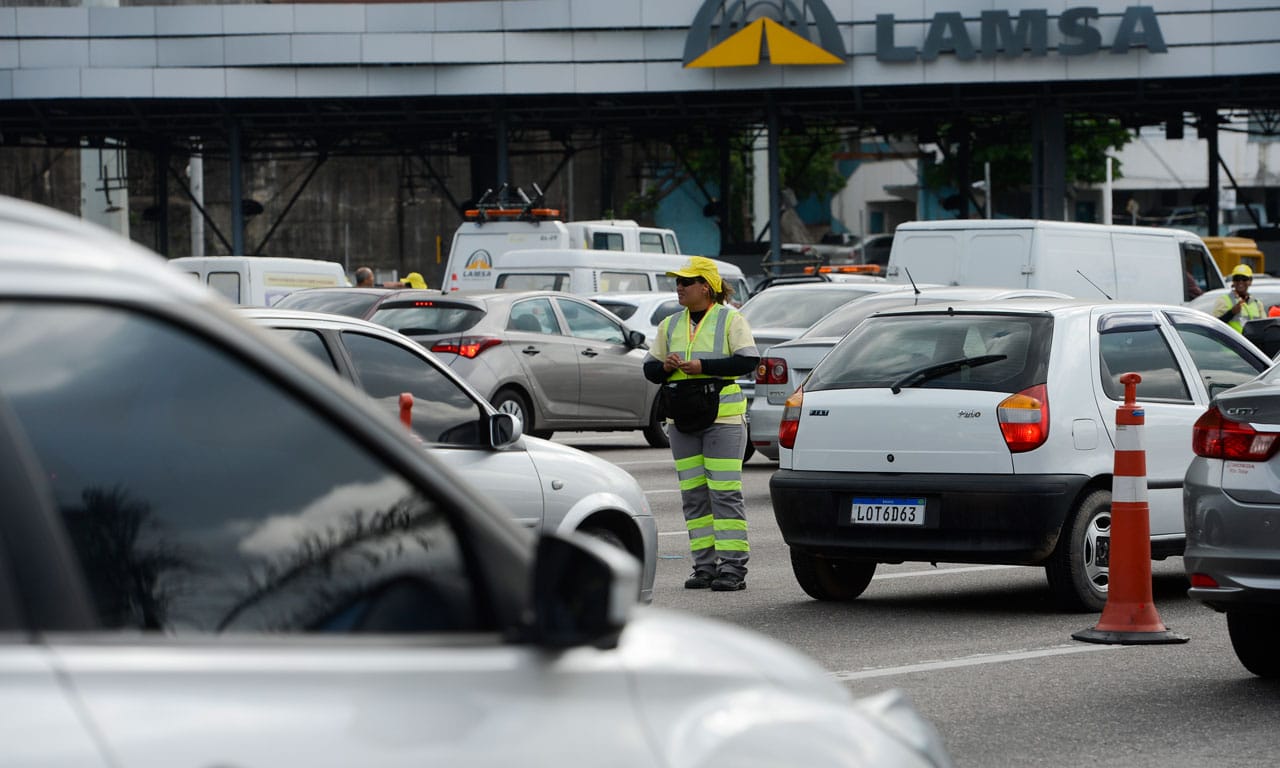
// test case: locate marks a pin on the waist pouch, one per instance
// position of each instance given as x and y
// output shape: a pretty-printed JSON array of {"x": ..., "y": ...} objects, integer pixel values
[{"x": 692, "y": 404}]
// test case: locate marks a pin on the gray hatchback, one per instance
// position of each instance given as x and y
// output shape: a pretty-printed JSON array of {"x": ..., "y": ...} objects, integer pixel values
[
  {"x": 557, "y": 361},
  {"x": 1231, "y": 510}
]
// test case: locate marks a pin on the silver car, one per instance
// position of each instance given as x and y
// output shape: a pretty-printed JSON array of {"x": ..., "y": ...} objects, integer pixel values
[
  {"x": 641, "y": 310},
  {"x": 546, "y": 486},
  {"x": 215, "y": 552},
  {"x": 1231, "y": 511},
  {"x": 784, "y": 365},
  {"x": 555, "y": 360}
]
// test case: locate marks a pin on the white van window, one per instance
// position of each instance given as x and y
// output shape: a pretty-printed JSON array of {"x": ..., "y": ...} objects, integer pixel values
[
  {"x": 612, "y": 282},
  {"x": 548, "y": 281},
  {"x": 1198, "y": 265},
  {"x": 671, "y": 244},
  {"x": 650, "y": 242},
  {"x": 227, "y": 284},
  {"x": 607, "y": 241}
]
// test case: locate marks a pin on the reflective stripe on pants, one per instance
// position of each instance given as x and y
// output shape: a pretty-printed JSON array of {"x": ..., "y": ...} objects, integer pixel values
[{"x": 709, "y": 466}]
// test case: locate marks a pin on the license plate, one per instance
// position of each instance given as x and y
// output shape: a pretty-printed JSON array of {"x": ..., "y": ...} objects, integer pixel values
[{"x": 887, "y": 511}]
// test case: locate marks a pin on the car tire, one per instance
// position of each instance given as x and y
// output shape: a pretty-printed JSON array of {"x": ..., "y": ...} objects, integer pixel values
[
  {"x": 829, "y": 578},
  {"x": 656, "y": 433},
  {"x": 749, "y": 451},
  {"x": 1077, "y": 581},
  {"x": 514, "y": 403},
  {"x": 1253, "y": 637},
  {"x": 607, "y": 536}
]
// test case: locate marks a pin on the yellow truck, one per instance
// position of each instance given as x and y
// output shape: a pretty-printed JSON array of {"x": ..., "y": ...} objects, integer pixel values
[{"x": 1230, "y": 251}]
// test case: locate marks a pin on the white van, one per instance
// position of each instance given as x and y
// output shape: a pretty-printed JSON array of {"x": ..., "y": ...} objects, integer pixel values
[
  {"x": 1089, "y": 261},
  {"x": 587, "y": 272},
  {"x": 260, "y": 281},
  {"x": 488, "y": 232}
]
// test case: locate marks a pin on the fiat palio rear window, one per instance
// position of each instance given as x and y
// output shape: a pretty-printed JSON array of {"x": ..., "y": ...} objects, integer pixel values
[{"x": 993, "y": 352}]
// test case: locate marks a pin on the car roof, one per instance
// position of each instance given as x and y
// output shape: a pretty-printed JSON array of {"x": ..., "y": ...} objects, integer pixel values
[
  {"x": 1034, "y": 305},
  {"x": 313, "y": 319},
  {"x": 637, "y": 297}
]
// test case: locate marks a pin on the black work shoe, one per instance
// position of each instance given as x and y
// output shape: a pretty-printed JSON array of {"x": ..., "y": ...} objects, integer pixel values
[
  {"x": 728, "y": 582},
  {"x": 699, "y": 580}
]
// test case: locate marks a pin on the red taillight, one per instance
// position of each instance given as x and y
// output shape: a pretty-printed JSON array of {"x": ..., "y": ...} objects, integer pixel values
[
  {"x": 791, "y": 419},
  {"x": 771, "y": 370},
  {"x": 1024, "y": 419},
  {"x": 1204, "y": 581},
  {"x": 466, "y": 346},
  {"x": 1216, "y": 437}
]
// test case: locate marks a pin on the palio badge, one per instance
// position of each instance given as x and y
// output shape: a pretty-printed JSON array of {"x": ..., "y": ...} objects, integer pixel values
[{"x": 741, "y": 34}]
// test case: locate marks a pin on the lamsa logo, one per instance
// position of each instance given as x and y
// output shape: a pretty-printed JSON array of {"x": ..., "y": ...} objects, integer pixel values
[
  {"x": 742, "y": 33},
  {"x": 479, "y": 260}
]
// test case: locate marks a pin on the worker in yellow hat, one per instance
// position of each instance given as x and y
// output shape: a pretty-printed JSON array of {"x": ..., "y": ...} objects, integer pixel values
[
  {"x": 413, "y": 280},
  {"x": 697, "y": 355},
  {"x": 1237, "y": 307}
]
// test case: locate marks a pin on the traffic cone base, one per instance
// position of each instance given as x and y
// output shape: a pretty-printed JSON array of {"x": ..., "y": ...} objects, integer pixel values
[{"x": 1144, "y": 637}]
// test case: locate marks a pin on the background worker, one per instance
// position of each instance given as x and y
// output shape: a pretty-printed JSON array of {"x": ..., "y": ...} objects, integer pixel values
[
  {"x": 1237, "y": 307},
  {"x": 364, "y": 277},
  {"x": 708, "y": 341}
]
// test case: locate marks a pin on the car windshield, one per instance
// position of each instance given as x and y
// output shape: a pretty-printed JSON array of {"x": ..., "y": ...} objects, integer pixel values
[
  {"x": 795, "y": 309},
  {"x": 333, "y": 302},
  {"x": 1006, "y": 353},
  {"x": 427, "y": 316}
]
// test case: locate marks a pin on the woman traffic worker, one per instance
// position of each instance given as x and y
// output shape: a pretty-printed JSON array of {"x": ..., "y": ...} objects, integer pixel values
[{"x": 696, "y": 355}]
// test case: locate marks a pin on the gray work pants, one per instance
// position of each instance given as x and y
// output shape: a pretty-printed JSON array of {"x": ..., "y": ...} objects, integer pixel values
[{"x": 709, "y": 465}]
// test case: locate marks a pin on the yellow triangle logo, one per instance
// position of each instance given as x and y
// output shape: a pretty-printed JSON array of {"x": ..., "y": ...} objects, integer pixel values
[
  {"x": 744, "y": 47},
  {"x": 786, "y": 47},
  {"x": 740, "y": 50}
]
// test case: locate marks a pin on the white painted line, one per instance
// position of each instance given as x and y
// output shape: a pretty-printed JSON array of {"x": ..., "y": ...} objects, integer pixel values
[
  {"x": 973, "y": 661},
  {"x": 944, "y": 571},
  {"x": 673, "y": 533},
  {"x": 663, "y": 490},
  {"x": 669, "y": 462}
]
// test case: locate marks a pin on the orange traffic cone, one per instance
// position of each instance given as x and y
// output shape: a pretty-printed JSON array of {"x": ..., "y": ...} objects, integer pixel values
[{"x": 1129, "y": 617}]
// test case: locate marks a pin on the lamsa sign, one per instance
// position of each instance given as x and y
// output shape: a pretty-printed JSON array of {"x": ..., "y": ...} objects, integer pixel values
[{"x": 1000, "y": 33}]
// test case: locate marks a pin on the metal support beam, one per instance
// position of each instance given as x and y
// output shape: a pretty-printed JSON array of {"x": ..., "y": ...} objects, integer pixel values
[
  {"x": 1209, "y": 132},
  {"x": 162, "y": 199},
  {"x": 1048, "y": 163},
  {"x": 296, "y": 193},
  {"x": 502, "y": 151},
  {"x": 237, "y": 193},
  {"x": 775, "y": 189}
]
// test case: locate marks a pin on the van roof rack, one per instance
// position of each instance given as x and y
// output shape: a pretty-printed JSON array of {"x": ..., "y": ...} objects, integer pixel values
[{"x": 509, "y": 204}]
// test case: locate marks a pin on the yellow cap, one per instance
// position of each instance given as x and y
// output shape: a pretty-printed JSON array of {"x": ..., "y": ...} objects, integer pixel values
[
  {"x": 1242, "y": 270},
  {"x": 414, "y": 280},
  {"x": 700, "y": 266}
]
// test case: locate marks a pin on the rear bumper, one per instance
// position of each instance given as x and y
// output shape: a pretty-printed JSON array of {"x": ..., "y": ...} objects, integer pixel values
[
  {"x": 1004, "y": 519},
  {"x": 1235, "y": 543}
]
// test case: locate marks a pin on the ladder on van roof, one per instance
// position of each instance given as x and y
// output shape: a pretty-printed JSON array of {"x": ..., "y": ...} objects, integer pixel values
[{"x": 503, "y": 206}]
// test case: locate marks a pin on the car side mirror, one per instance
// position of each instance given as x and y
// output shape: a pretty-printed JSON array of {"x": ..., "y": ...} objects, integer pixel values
[
  {"x": 584, "y": 591},
  {"x": 504, "y": 429},
  {"x": 635, "y": 340}
]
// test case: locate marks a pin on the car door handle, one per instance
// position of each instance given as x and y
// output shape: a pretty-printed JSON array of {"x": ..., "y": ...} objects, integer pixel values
[
  {"x": 589, "y": 352},
  {"x": 530, "y": 350}
]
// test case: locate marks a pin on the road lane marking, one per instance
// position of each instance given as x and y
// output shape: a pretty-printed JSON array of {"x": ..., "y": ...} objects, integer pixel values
[
  {"x": 668, "y": 462},
  {"x": 944, "y": 571},
  {"x": 973, "y": 661}
]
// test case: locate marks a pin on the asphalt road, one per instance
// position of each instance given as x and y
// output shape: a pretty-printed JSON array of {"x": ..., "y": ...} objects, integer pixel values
[{"x": 981, "y": 651}]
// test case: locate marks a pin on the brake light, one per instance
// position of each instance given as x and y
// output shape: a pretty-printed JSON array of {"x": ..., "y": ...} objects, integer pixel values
[
  {"x": 466, "y": 346},
  {"x": 1204, "y": 581},
  {"x": 1024, "y": 419},
  {"x": 791, "y": 419},
  {"x": 771, "y": 370},
  {"x": 1217, "y": 437}
]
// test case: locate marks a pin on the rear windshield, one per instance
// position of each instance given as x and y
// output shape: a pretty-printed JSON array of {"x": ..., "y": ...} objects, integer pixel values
[
  {"x": 794, "y": 309},
  {"x": 842, "y": 319},
  {"x": 991, "y": 352},
  {"x": 550, "y": 281},
  {"x": 428, "y": 316},
  {"x": 623, "y": 310},
  {"x": 333, "y": 302}
]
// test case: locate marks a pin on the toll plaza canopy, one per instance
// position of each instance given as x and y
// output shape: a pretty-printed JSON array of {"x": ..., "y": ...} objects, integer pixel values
[
  {"x": 371, "y": 74},
  {"x": 430, "y": 77}
]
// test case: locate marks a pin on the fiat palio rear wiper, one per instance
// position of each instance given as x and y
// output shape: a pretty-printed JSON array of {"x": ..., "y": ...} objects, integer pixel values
[{"x": 921, "y": 375}]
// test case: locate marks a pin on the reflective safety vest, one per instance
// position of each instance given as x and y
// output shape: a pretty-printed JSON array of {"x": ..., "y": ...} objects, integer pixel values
[
  {"x": 708, "y": 341},
  {"x": 1252, "y": 310}
]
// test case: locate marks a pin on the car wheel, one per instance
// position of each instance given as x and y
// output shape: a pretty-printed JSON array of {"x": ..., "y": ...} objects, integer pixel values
[
  {"x": 827, "y": 578},
  {"x": 656, "y": 432},
  {"x": 607, "y": 536},
  {"x": 1253, "y": 636},
  {"x": 514, "y": 403},
  {"x": 749, "y": 451},
  {"x": 1078, "y": 570}
]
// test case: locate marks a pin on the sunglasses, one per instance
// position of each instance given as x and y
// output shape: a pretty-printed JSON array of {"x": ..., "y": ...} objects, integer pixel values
[{"x": 685, "y": 282}]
